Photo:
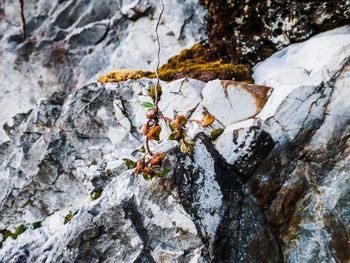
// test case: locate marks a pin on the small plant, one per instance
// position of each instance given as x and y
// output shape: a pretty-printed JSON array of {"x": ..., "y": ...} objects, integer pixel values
[
  {"x": 18, "y": 231},
  {"x": 215, "y": 134},
  {"x": 150, "y": 165},
  {"x": 70, "y": 216},
  {"x": 96, "y": 194}
]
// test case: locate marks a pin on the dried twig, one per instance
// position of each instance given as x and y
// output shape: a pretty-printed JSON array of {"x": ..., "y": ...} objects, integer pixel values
[
  {"x": 158, "y": 54},
  {"x": 156, "y": 97}
]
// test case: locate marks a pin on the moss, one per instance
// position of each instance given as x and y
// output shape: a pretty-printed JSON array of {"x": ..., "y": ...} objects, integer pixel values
[
  {"x": 96, "y": 194},
  {"x": 198, "y": 62},
  {"x": 123, "y": 75}
]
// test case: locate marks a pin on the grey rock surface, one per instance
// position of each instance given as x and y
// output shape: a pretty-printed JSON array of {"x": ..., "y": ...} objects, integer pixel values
[
  {"x": 72, "y": 42},
  {"x": 274, "y": 187}
]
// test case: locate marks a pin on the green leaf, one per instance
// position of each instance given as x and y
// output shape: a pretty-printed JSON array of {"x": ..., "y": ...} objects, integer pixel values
[
  {"x": 215, "y": 134},
  {"x": 163, "y": 173},
  {"x": 147, "y": 105},
  {"x": 130, "y": 164},
  {"x": 19, "y": 230},
  {"x": 172, "y": 136},
  {"x": 96, "y": 194},
  {"x": 69, "y": 216},
  {"x": 148, "y": 177},
  {"x": 34, "y": 225},
  {"x": 142, "y": 149},
  {"x": 171, "y": 127}
]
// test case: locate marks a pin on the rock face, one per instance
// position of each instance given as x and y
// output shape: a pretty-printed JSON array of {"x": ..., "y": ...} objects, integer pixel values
[
  {"x": 70, "y": 42},
  {"x": 274, "y": 187},
  {"x": 250, "y": 31}
]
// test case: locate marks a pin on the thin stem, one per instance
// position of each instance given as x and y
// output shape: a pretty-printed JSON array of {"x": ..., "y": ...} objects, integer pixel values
[
  {"x": 147, "y": 147},
  {"x": 164, "y": 118},
  {"x": 158, "y": 54}
]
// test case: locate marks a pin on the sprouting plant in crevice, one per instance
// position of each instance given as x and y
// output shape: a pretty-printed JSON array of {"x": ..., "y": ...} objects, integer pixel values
[
  {"x": 150, "y": 165},
  {"x": 96, "y": 194},
  {"x": 68, "y": 217},
  {"x": 18, "y": 231}
]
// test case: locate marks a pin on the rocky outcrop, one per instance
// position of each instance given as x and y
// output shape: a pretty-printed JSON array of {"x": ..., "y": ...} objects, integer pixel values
[
  {"x": 250, "y": 31},
  {"x": 274, "y": 187},
  {"x": 70, "y": 42}
]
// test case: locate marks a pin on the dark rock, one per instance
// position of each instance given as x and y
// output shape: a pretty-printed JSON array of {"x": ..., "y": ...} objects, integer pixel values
[{"x": 250, "y": 31}]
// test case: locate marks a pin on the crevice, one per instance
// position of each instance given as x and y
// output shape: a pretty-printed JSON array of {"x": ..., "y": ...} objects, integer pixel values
[
  {"x": 104, "y": 35},
  {"x": 132, "y": 213},
  {"x": 133, "y": 129},
  {"x": 186, "y": 21}
]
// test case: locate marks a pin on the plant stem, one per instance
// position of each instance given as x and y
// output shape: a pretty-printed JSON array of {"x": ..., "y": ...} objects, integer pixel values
[
  {"x": 158, "y": 55},
  {"x": 147, "y": 147}
]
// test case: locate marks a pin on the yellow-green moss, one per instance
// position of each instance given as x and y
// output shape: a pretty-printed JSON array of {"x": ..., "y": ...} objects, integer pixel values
[
  {"x": 123, "y": 75},
  {"x": 198, "y": 62}
]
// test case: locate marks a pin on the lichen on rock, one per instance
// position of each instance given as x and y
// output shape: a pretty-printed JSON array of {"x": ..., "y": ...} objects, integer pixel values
[
  {"x": 199, "y": 62},
  {"x": 250, "y": 31},
  {"x": 123, "y": 75}
]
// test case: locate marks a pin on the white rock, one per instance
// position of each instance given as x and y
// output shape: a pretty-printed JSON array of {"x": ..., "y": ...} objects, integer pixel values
[
  {"x": 231, "y": 101},
  {"x": 303, "y": 64}
]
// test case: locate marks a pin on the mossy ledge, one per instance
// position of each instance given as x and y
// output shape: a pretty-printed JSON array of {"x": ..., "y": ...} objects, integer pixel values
[
  {"x": 123, "y": 75},
  {"x": 198, "y": 62}
]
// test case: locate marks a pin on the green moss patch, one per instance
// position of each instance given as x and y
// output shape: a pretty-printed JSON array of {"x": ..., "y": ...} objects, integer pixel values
[{"x": 198, "y": 62}]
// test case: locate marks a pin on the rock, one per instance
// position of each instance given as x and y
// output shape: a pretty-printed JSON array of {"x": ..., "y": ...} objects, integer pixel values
[
  {"x": 250, "y": 31},
  {"x": 198, "y": 62},
  {"x": 274, "y": 187},
  {"x": 231, "y": 101},
  {"x": 71, "y": 42}
]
